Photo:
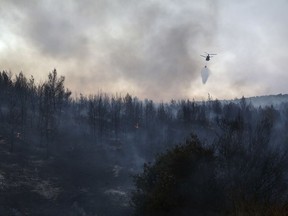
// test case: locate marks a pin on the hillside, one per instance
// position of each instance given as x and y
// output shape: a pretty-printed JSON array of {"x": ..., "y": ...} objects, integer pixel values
[
  {"x": 61, "y": 155},
  {"x": 265, "y": 100}
]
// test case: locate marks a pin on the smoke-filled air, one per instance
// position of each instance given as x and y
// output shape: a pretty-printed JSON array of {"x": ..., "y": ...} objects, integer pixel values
[
  {"x": 149, "y": 48},
  {"x": 143, "y": 108}
]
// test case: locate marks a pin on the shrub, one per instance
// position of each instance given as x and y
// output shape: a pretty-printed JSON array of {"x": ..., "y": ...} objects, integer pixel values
[{"x": 181, "y": 181}]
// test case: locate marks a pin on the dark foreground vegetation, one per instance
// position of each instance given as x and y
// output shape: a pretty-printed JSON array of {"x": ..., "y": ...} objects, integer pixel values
[{"x": 63, "y": 155}]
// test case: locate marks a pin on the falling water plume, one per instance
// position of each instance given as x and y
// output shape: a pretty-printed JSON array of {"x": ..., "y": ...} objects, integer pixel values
[{"x": 205, "y": 72}]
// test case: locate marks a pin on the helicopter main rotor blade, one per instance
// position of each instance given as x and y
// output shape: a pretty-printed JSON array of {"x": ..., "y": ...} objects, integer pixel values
[
  {"x": 210, "y": 54},
  {"x": 203, "y": 56}
]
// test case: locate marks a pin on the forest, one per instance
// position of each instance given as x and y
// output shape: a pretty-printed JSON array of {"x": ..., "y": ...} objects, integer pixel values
[{"x": 104, "y": 154}]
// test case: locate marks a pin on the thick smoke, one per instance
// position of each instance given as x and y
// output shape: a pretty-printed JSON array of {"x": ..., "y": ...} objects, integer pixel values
[
  {"x": 148, "y": 48},
  {"x": 148, "y": 44}
]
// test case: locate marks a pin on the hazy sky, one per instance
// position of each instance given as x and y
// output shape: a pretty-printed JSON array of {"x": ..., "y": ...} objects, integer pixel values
[{"x": 150, "y": 48}]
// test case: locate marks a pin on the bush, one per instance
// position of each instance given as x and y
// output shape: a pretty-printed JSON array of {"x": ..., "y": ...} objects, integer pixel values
[{"x": 181, "y": 181}]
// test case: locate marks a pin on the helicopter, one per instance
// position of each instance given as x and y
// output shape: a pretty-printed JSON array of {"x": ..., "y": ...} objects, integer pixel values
[{"x": 209, "y": 55}]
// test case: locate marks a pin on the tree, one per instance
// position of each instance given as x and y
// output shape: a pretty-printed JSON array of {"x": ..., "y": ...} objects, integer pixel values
[
  {"x": 149, "y": 114},
  {"x": 52, "y": 98},
  {"x": 21, "y": 87},
  {"x": 128, "y": 115},
  {"x": 98, "y": 114},
  {"x": 251, "y": 169},
  {"x": 116, "y": 105}
]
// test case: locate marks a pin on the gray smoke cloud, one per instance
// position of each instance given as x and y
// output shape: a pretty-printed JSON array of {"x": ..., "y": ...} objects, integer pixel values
[
  {"x": 148, "y": 44},
  {"x": 150, "y": 48}
]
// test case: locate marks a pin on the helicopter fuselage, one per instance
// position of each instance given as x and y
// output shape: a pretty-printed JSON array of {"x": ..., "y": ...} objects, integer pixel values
[{"x": 208, "y": 56}]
